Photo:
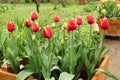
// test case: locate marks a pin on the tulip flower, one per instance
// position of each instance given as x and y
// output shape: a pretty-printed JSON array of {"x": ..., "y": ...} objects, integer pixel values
[
  {"x": 90, "y": 19},
  {"x": 47, "y": 32},
  {"x": 118, "y": 6},
  {"x": 79, "y": 20},
  {"x": 62, "y": 41},
  {"x": 35, "y": 27},
  {"x": 27, "y": 23},
  {"x": 72, "y": 25},
  {"x": 53, "y": 25},
  {"x": 103, "y": 11},
  {"x": 68, "y": 29},
  {"x": 96, "y": 28},
  {"x": 104, "y": 24},
  {"x": 104, "y": 1},
  {"x": 10, "y": 26},
  {"x": 56, "y": 19},
  {"x": 34, "y": 16}
]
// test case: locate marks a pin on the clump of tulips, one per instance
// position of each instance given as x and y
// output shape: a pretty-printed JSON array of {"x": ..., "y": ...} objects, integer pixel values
[
  {"x": 109, "y": 9},
  {"x": 53, "y": 54}
]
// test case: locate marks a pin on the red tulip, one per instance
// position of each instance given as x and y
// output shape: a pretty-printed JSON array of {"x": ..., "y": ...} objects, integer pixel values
[
  {"x": 27, "y": 23},
  {"x": 71, "y": 25},
  {"x": 68, "y": 29},
  {"x": 56, "y": 19},
  {"x": 47, "y": 32},
  {"x": 90, "y": 19},
  {"x": 104, "y": 24},
  {"x": 34, "y": 16},
  {"x": 10, "y": 26},
  {"x": 35, "y": 27},
  {"x": 79, "y": 21}
]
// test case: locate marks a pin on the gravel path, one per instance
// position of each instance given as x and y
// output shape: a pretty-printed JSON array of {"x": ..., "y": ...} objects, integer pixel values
[{"x": 114, "y": 61}]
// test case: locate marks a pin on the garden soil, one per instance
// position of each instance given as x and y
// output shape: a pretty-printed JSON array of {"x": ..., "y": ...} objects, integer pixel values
[{"x": 114, "y": 53}]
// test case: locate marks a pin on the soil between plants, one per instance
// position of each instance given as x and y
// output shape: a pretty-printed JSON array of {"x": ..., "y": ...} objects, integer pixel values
[{"x": 114, "y": 53}]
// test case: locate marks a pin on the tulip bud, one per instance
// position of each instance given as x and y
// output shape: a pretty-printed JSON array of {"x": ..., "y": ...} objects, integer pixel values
[
  {"x": 56, "y": 19},
  {"x": 96, "y": 28},
  {"x": 35, "y": 27},
  {"x": 62, "y": 41},
  {"x": 27, "y": 23},
  {"x": 103, "y": 11},
  {"x": 53, "y": 24},
  {"x": 33, "y": 37},
  {"x": 90, "y": 19},
  {"x": 104, "y": 1},
  {"x": 72, "y": 25},
  {"x": 34, "y": 16},
  {"x": 104, "y": 24},
  {"x": 10, "y": 26},
  {"x": 79, "y": 21},
  {"x": 47, "y": 32},
  {"x": 118, "y": 6},
  {"x": 64, "y": 26}
]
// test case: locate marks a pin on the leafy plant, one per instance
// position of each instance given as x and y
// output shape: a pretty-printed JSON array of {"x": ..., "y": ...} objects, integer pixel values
[
  {"x": 109, "y": 9},
  {"x": 53, "y": 54}
]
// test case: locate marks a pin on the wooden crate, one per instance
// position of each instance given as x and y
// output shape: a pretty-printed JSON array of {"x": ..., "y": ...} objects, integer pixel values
[
  {"x": 114, "y": 27},
  {"x": 104, "y": 65}
]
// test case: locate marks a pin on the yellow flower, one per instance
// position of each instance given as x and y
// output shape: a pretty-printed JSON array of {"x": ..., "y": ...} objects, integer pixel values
[
  {"x": 62, "y": 41},
  {"x": 33, "y": 37},
  {"x": 64, "y": 26},
  {"x": 53, "y": 25},
  {"x": 118, "y": 5},
  {"x": 103, "y": 11},
  {"x": 103, "y": 1}
]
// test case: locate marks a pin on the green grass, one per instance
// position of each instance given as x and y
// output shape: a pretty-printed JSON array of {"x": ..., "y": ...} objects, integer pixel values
[{"x": 22, "y": 11}]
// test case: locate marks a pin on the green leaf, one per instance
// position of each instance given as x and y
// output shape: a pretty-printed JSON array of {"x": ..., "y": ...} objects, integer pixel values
[
  {"x": 50, "y": 79},
  {"x": 55, "y": 68},
  {"x": 3, "y": 36},
  {"x": 13, "y": 60},
  {"x": 66, "y": 76},
  {"x": 24, "y": 74},
  {"x": 108, "y": 73}
]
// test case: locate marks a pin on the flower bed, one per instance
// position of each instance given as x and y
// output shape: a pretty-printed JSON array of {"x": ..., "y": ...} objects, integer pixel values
[
  {"x": 6, "y": 75},
  {"x": 54, "y": 53}
]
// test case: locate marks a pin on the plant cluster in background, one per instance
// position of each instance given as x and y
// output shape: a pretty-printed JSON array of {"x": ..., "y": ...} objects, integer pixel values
[
  {"x": 4, "y": 8},
  {"x": 89, "y": 8},
  {"x": 109, "y": 8}
]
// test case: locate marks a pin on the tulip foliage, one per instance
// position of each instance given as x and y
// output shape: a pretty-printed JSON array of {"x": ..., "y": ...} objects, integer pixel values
[{"x": 50, "y": 52}]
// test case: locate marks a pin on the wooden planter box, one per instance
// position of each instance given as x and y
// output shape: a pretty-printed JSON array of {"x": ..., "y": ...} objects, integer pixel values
[
  {"x": 104, "y": 65},
  {"x": 114, "y": 27},
  {"x": 6, "y": 75}
]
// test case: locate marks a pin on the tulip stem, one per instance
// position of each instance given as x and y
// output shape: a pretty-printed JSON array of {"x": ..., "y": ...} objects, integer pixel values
[
  {"x": 104, "y": 36},
  {"x": 57, "y": 32},
  {"x": 72, "y": 53},
  {"x": 79, "y": 29},
  {"x": 90, "y": 36},
  {"x": 48, "y": 46},
  {"x": 34, "y": 49},
  {"x": 13, "y": 40}
]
